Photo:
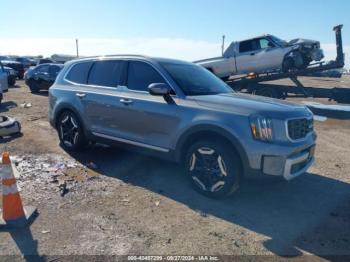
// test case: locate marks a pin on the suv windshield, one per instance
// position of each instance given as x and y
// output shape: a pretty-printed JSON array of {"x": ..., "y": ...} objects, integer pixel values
[{"x": 195, "y": 80}]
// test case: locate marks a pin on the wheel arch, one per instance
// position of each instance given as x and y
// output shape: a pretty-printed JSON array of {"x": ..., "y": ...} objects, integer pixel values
[
  {"x": 68, "y": 107},
  {"x": 210, "y": 131}
]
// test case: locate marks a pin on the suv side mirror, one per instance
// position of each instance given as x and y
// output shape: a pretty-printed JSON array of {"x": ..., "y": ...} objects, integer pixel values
[{"x": 159, "y": 89}]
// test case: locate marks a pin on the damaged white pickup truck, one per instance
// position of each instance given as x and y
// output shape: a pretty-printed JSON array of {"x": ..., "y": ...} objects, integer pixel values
[{"x": 264, "y": 54}]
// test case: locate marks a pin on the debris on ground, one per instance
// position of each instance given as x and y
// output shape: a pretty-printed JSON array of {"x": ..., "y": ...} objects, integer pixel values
[
  {"x": 62, "y": 185},
  {"x": 91, "y": 165},
  {"x": 45, "y": 231},
  {"x": 55, "y": 170},
  {"x": 25, "y": 105},
  {"x": 9, "y": 126}
]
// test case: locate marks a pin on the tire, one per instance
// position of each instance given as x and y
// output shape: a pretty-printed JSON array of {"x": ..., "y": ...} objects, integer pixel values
[
  {"x": 70, "y": 132},
  {"x": 213, "y": 168},
  {"x": 11, "y": 81},
  {"x": 33, "y": 86},
  {"x": 288, "y": 65},
  {"x": 305, "y": 64}
]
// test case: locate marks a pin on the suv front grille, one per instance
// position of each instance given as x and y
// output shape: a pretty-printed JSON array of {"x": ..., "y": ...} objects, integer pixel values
[{"x": 299, "y": 128}]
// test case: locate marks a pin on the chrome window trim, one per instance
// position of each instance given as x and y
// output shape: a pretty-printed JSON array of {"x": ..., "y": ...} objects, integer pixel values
[
  {"x": 157, "y": 148},
  {"x": 114, "y": 59},
  {"x": 287, "y": 132}
]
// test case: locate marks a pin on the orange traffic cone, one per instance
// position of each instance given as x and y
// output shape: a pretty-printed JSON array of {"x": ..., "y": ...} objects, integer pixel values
[{"x": 13, "y": 212}]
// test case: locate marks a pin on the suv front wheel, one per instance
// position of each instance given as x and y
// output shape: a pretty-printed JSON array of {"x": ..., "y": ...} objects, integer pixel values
[
  {"x": 70, "y": 131},
  {"x": 213, "y": 168}
]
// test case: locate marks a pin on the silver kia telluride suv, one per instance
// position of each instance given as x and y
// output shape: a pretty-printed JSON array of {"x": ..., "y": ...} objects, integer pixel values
[{"x": 182, "y": 112}]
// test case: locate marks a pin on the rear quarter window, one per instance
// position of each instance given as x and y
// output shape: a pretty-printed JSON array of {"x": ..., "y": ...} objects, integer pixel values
[{"x": 79, "y": 73}]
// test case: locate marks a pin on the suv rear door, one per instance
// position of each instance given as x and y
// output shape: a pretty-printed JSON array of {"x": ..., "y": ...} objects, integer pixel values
[
  {"x": 139, "y": 118},
  {"x": 99, "y": 95}
]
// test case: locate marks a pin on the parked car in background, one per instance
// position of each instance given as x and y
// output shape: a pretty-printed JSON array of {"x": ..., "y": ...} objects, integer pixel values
[
  {"x": 264, "y": 54},
  {"x": 182, "y": 112},
  {"x": 25, "y": 61},
  {"x": 11, "y": 76},
  {"x": 17, "y": 66},
  {"x": 3, "y": 81},
  {"x": 45, "y": 61},
  {"x": 5, "y": 57},
  {"x": 42, "y": 76}
]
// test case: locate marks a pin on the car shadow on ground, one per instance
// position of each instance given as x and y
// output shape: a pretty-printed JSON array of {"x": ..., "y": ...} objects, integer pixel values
[
  {"x": 9, "y": 138},
  {"x": 41, "y": 93},
  {"x": 15, "y": 86},
  {"x": 282, "y": 211},
  {"x": 6, "y": 106}
]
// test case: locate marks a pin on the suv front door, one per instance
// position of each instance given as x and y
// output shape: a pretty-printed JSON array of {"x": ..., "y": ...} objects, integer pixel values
[{"x": 140, "y": 118}]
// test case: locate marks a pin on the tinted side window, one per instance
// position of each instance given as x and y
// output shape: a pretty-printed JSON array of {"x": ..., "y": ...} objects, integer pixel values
[
  {"x": 79, "y": 73},
  {"x": 54, "y": 70},
  {"x": 43, "y": 69},
  {"x": 141, "y": 75},
  {"x": 106, "y": 73},
  {"x": 246, "y": 46}
]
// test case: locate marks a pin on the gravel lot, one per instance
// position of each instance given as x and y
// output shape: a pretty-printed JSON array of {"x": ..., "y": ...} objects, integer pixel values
[{"x": 133, "y": 204}]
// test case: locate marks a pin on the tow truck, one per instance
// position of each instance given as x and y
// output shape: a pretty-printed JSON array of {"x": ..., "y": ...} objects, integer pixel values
[{"x": 255, "y": 83}]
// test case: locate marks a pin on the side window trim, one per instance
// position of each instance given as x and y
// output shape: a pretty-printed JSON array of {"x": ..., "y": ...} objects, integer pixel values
[
  {"x": 70, "y": 69},
  {"x": 124, "y": 77},
  {"x": 156, "y": 69}
]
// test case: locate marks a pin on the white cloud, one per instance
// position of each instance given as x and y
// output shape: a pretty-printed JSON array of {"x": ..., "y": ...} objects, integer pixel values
[
  {"x": 163, "y": 47},
  {"x": 330, "y": 51}
]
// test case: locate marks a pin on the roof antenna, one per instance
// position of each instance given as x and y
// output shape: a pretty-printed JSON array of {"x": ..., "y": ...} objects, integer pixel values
[{"x": 223, "y": 45}]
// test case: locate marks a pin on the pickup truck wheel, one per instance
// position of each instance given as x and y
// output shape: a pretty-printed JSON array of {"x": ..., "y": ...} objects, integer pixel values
[
  {"x": 288, "y": 64},
  {"x": 214, "y": 169},
  {"x": 70, "y": 132}
]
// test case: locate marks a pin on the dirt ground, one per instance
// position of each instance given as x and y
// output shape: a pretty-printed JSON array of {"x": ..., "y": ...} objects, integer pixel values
[{"x": 132, "y": 204}]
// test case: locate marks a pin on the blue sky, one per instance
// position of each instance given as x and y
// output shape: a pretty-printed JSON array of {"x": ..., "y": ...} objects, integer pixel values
[{"x": 195, "y": 21}]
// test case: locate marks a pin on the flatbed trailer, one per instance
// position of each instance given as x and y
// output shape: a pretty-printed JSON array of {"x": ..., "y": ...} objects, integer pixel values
[{"x": 255, "y": 83}]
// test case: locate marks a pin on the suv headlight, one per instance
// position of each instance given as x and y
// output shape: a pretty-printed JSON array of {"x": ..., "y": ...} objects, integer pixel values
[{"x": 261, "y": 128}]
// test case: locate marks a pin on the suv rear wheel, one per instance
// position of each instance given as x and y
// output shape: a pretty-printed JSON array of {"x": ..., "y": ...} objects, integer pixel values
[
  {"x": 70, "y": 131},
  {"x": 214, "y": 169}
]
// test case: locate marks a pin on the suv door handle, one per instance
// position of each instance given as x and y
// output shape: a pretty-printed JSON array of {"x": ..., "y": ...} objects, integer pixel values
[
  {"x": 80, "y": 95},
  {"x": 125, "y": 101}
]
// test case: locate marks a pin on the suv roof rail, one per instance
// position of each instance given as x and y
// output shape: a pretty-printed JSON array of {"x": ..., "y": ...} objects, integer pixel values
[{"x": 119, "y": 55}]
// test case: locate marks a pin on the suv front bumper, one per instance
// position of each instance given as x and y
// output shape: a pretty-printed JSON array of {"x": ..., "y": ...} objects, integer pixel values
[
  {"x": 290, "y": 167},
  {"x": 287, "y": 160}
]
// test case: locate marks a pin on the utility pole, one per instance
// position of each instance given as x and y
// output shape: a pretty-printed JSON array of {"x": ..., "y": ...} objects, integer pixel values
[
  {"x": 223, "y": 45},
  {"x": 77, "y": 46}
]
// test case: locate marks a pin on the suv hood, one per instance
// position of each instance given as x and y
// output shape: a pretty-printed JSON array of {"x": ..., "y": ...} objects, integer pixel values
[{"x": 244, "y": 104}]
